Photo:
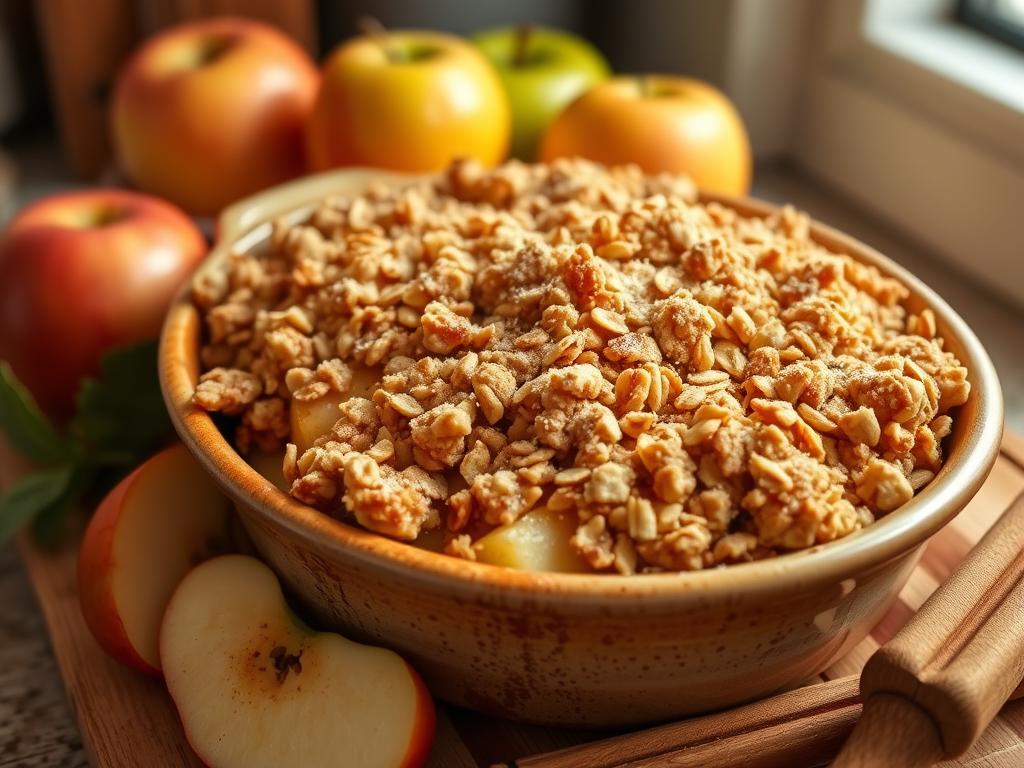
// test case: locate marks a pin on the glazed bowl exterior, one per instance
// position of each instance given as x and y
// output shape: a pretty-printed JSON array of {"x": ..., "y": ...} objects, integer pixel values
[{"x": 571, "y": 648}]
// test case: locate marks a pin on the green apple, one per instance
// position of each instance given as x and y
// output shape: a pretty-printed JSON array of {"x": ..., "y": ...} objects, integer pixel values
[{"x": 543, "y": 70}]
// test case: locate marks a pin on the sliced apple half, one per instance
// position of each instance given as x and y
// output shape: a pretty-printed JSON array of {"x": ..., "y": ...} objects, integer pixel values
[
  {"x": 148, "y": 532},
  {"x": 537, "y": 541},
  {"x": 257, "y": 688}
]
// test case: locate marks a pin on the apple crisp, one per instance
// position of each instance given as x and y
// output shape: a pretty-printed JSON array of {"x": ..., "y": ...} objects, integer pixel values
[{"x": 696, "y": 387}]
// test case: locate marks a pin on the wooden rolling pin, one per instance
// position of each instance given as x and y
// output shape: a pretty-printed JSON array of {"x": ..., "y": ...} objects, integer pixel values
[{"x": 929, "y": 692}]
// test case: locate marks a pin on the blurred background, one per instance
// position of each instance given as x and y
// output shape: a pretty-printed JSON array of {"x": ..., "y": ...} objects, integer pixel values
[{"x": 900, "y": 121}]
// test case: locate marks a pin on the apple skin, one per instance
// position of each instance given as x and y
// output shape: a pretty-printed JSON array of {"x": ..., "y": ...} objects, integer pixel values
[
  {"x": 443, "y": 101},
  {"x": 211, "y": 111},
  {"x": 170, "y": 504},
  {"x": 217, "y": 641},
  {"x": 83, "y": 272},
  {"x": 663, "y": 124},
  {"x": 95, "y": 583},
  {"x": 557, "y": 67},
  {"x": 422, "y": 739}
]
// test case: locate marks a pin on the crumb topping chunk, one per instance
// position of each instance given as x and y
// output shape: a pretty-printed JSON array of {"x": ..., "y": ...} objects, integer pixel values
[{"x": 697, "y": 387}]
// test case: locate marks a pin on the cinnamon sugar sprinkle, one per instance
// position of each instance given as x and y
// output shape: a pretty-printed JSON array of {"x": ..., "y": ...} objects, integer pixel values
[{"x": 699, "y": 387}]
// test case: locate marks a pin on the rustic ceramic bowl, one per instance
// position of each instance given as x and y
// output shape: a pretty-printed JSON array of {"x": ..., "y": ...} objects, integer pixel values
[{"x": 584, "y": 649}]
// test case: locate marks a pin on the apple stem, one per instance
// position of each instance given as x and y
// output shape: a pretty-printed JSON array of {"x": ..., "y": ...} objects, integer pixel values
[
  {"x": 523, "y": 34},
  {"x": 378, "y": 33}
]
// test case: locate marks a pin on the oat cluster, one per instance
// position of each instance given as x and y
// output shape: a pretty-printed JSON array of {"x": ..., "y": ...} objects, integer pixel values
[{"x": 698, "y": 387}]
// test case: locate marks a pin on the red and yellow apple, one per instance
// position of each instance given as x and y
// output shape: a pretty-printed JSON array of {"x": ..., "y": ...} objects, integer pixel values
[
  {"x": 661, "y": 123},
  {"x": 83, "y": 272},
  {"x": 149, "y": 531},
  {"x": 408, "y": 101},
  {"x": 542, "y": 70},
  {"x": 257, "y": 688},
  {"x": 214, "y": 110}
]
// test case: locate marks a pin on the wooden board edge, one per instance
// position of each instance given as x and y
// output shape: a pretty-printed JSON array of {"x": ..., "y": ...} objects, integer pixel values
[{"x": 135, "y": 722}]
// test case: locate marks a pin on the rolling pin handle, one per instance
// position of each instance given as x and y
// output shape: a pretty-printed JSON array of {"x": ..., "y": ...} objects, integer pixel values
[{"x": 892, "y": 731}]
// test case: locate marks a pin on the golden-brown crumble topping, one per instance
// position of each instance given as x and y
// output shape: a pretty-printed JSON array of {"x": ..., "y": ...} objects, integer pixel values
[{"x": 697, "y": 387}]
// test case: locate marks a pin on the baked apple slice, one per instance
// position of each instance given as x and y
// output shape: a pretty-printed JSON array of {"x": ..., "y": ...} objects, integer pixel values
[
  {"x": 312, "y": 418},
  {"x": 256, "y": 687},
  {"x": 537, "y": 541},
  {"x": 148, "y": 532},
  {"x": 309, "y": 419},
  {"x": 270, "y": 464}
]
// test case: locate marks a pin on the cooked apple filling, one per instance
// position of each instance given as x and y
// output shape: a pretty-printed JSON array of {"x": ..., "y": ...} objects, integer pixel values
[{"x": 568, "y": 367}]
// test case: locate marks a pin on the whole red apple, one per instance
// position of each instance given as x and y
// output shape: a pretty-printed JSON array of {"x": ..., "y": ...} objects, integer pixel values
[
  {"x": 211, "y": 111},
  {"x": 82, "y": 272}
]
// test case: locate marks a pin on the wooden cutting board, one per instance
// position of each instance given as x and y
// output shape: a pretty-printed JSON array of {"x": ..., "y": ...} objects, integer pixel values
[{"x": 127, "y": 720}]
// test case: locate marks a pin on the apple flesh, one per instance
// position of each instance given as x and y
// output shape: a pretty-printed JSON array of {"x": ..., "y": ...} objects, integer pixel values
[
  {"x": 149, "y": 531},
  {"x": 211, "y": 111},
  {"x": 83, "y": 272},
  {"x": 537, "y": 541},
  {"x": 542, "y": 70},
  {"x": 255, "y": 687},
  {"x": 270, "y": 464},
  {"x": 310, "y": 419}
]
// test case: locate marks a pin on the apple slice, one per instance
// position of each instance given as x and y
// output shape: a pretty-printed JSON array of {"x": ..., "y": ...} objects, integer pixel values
[
  {"x": 148, "y": 532},
  {"x": 312, "y": 418},
  {"x": 537, "y": 541},
  {"x": 270, "y": 464},
  {"x": 255, "y": 687}
]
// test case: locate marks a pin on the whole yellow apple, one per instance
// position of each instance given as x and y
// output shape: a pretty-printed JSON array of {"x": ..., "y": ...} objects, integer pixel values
[
  {"x": 211, "y": 111},
  {"x": 408, "y": 101},
  {"x": 661, "y": 123}
]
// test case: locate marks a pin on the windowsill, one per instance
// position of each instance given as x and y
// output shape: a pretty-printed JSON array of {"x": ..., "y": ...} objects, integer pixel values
[
  {"x": 956, "y": 78},
  {"x": 937, "y": 158},
  {"x": 958, "y": 53}
]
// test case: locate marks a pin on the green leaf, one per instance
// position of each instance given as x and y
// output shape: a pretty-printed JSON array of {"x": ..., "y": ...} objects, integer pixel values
[
  {"x": 29, "y": 431},
  {"x": 48, "y": 525},
  {"x": 120, "y": 417},
  {"x": 31, "y": 496}
]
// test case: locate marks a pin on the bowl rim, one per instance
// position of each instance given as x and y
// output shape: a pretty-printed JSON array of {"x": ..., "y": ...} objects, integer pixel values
[{"x": 894, "y": 535}]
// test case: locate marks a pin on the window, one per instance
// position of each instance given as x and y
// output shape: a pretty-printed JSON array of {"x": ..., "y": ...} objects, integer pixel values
[
  {"x": 918, "y": 117},
  {"x": 1002, "y": 19}
]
